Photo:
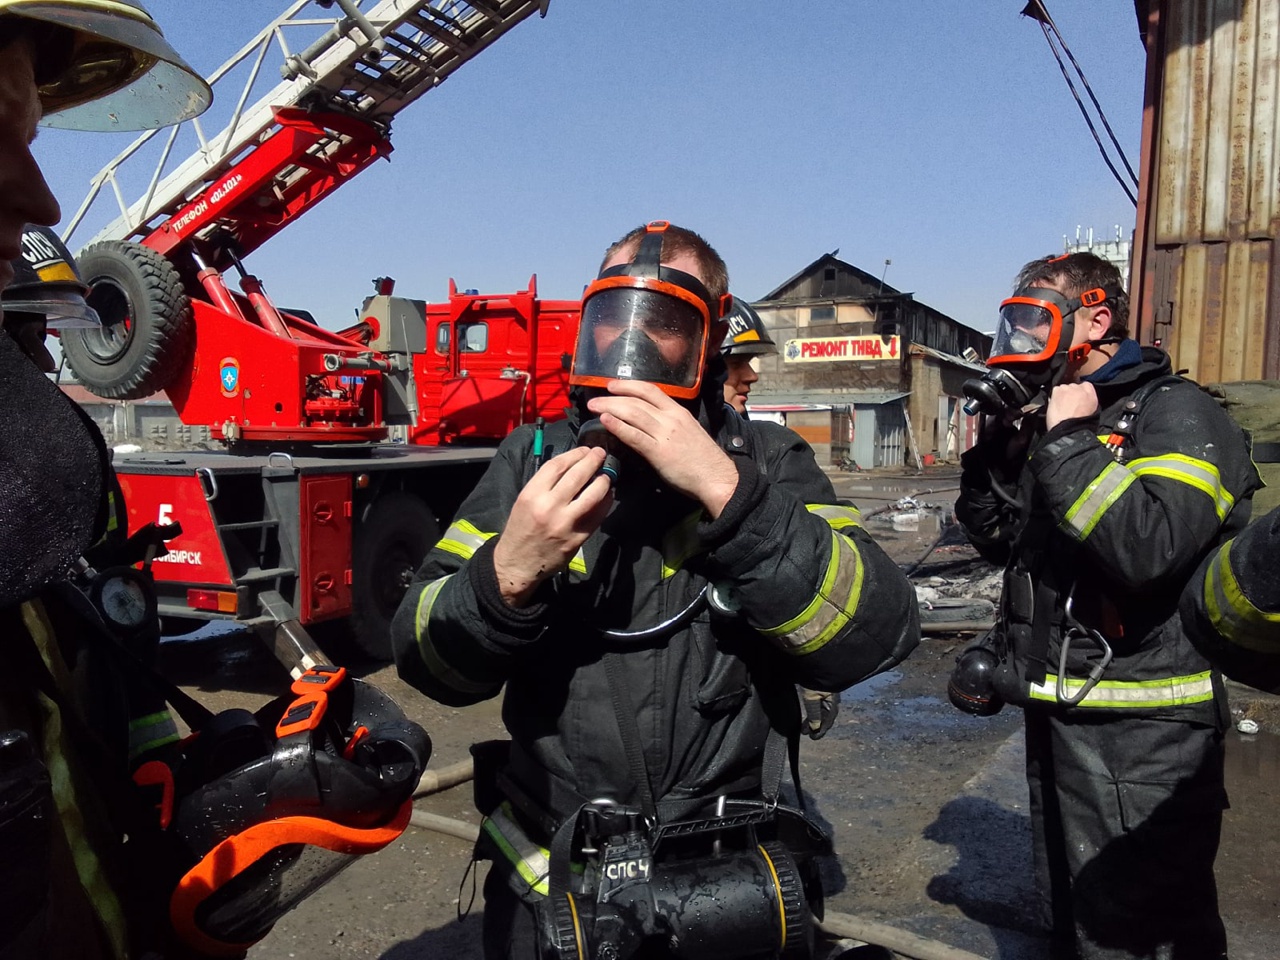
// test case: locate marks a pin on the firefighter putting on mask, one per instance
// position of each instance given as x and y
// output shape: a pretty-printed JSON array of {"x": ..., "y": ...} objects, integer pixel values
[
  {"x": 1100, "y": 481},
  {"x": 650, "y": 580}
]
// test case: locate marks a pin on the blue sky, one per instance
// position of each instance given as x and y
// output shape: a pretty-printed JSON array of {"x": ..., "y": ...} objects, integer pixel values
[{"x": 935, "y": 133}]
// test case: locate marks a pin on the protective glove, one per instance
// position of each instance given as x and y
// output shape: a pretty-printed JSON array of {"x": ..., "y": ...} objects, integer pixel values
[{"x": 820, "y": 711}]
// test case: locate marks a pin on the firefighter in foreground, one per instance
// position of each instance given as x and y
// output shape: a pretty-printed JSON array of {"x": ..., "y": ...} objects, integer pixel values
[
  {"x": 116, "y": 839},
  {"x": 1100, "y": 504},
  {"x": 79, "y": 66},
  {"x": 650, "y": 580},
  {"x": 1231, "y": 607}
]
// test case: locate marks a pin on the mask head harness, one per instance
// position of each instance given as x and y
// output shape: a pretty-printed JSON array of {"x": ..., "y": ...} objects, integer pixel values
[
  {"x": 645, "y": 321},
  {"x": 1032, "y": 348}
]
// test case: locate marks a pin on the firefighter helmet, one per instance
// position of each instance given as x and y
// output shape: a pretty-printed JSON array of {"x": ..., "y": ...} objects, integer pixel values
[
  {"x": 105, "y": 65},
  {"x": 46, "y": 284},
  {"x": 747, "y": 336}
]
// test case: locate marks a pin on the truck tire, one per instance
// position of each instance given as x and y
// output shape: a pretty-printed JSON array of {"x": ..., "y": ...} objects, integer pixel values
[
  {"x": 387, "y": 549},
  {"x": 147, "y": 327}
]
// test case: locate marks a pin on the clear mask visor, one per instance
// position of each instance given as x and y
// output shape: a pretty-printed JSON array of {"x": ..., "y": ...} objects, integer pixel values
[
  {"x": 62, "y": 311},
  {"x": 639, "y": 333},
  {"x": 1028, "y": 331}
]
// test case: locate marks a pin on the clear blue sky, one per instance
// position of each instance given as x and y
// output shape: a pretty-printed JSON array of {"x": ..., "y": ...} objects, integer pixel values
[{"x": 935, "y": 133}]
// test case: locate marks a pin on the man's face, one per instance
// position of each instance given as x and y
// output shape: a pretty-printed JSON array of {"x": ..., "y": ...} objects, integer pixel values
[
  {"x": 738, "y": 384},
  {"x": 24, "y": 196},
  {"x": 672, "y": 345}
]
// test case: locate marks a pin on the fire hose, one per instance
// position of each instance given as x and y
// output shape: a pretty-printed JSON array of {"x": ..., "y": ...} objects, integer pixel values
[{"x": 836, "y": 925}]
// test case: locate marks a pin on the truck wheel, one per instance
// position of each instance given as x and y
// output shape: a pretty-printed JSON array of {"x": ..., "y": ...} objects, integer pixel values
[
  {"x": 147, "y": 327},
  {"x": 386, "y": 552}
]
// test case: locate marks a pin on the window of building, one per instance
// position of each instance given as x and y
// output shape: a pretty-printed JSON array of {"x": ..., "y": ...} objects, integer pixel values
[
  {"x": 829, "y": 273},
  {"x": 822, "y": 314}
]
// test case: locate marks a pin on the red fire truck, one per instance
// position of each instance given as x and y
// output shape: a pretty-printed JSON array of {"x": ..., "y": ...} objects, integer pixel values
[{"x": 345, "y": 451}]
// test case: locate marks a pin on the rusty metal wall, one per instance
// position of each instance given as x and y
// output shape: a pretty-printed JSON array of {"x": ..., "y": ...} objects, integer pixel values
[{"x": 1210, "y": 258}]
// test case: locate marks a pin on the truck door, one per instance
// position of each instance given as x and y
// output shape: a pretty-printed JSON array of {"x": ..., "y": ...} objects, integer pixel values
[{"x": 483, "y": 393}]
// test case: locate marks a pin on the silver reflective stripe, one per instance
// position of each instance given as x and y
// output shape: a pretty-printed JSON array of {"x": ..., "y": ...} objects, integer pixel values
[
  {"x": 1232, "y": 614},
  {"x": 1171, "y": 692},
  {"x": 1106, "y": 488},
  {"x": 1200, "y": 474},
  {"x": 463, "y": 539},
  {"x": 837, "y": 517},
  {"x": 147, "y": 733},
  {"x": 680, "y": 543},
  {"x": 832, "y": 606},
  {"x": 436, "y": 664},
  {"x": 531, "y": 861}
]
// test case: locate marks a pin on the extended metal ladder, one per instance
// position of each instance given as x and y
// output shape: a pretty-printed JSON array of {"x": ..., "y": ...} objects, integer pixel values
[{"x": 365, "y": 67}]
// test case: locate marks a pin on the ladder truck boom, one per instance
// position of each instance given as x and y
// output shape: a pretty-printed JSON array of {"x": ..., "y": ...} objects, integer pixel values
[{"x": 308, "y": 516}]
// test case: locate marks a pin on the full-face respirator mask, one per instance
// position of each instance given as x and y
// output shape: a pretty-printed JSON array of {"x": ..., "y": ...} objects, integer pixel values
[
  {"x": 1032, "y": 350},
  {"x": 641, "y": 321}
]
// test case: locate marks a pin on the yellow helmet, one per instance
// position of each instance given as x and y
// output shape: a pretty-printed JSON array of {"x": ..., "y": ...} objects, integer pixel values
[{"x": 105, "y": 65}]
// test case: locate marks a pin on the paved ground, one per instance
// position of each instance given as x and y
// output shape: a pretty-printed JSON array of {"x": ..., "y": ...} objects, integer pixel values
[{"x": 927, "y": 806}]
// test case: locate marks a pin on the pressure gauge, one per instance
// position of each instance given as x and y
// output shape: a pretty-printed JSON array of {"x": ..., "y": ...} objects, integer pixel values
[{"x": 125, "y": 597}]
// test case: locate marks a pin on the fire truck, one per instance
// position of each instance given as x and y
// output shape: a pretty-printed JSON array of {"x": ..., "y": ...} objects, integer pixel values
[{"x": 344, "y": 451}]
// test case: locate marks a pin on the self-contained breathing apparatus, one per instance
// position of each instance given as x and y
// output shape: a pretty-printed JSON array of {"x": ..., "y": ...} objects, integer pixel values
[
  {"x": 740, "y": 883},
  {"x": 971, "y": 687}
]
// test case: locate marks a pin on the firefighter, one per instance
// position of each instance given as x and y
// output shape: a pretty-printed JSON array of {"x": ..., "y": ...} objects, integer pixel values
[
  {"x": 649, "y": 579},
  {"x": 747, "y": 338},
  {"x": 1099, "y": 482},
  {"x": 1231, "y": 607},
  {"x": 70, "y": 724}
]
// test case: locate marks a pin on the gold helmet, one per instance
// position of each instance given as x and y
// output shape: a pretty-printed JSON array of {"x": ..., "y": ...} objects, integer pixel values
[{"x": 105, "y": 65}]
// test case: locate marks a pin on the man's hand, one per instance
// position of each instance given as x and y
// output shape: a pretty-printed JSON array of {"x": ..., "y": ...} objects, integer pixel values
[
  {"x": 1069, "y": 401},
  {"x": 684, "y": 455},
  {"x": 559, "y": 508}
]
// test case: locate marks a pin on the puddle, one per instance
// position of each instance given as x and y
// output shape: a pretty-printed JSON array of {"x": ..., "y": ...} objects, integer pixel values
[
  {"x": 1254, "y": 757},
  {"x": 871, "y": 688}
]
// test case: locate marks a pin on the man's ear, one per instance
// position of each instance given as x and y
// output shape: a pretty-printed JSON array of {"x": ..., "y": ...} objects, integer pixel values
[{"x": 1100, "y": 322}]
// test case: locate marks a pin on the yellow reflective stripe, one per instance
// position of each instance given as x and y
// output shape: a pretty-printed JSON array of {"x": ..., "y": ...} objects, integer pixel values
[
  {"x": 436, "y": 664},
  {"x": 532, "y": 862},
  {"x": 1098, "y": 496},
  {"x": 1170, "y": 692},
  {"x": 837, "y": 517},
  {"x": 831, "y": 608},
  {"x": 57, "y": 748},
  {"x": 680, "y": 543},
  {"x": 153, "y": 730},
  {"x": 113, "y": 517},
  {"x": 579, "y": 563},
  {"x": 463, "y": 539},
  {"x": 1200, "y": 474},
  {"x": 1233, "y": 616}
]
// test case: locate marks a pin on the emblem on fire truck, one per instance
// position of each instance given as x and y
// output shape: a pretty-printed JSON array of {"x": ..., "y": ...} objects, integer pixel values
[{"x": 229, "y": 376}]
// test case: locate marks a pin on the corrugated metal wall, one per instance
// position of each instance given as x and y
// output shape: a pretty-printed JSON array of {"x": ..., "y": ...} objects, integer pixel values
[{"x": 1211, "y": 266}]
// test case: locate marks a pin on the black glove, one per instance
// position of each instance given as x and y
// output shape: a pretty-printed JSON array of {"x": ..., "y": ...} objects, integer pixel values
[{"x": 820, "y": 711}]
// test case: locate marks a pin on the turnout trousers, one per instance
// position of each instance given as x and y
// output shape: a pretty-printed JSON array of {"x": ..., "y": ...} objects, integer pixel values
[{"x": 1126, "y": 815}]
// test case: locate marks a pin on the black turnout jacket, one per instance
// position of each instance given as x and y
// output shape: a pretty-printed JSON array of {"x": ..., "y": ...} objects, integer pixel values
[
  {"x": 817, "y": 603},
  {"x": 1118, "y": 532}
]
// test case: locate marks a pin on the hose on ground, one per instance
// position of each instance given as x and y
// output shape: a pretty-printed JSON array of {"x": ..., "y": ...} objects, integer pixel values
[
  {"x": 433, "y": 781},
  {"x": 838, "y": 925}
]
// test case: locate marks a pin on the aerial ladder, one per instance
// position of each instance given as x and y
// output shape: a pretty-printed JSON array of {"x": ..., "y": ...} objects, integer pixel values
[
  {"x": 159, "y": 265},
  {"x": 305, "y": 515}
]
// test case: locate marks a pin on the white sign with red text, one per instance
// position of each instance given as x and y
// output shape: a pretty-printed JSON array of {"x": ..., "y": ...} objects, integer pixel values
[{"x": 841, "y": 348}]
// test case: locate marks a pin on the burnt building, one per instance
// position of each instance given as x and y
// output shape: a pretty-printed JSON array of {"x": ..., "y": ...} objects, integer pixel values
[{"x": 865, "y": 371}]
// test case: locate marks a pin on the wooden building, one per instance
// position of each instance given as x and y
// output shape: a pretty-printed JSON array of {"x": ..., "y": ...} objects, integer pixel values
[{"x": 865, "y": 371}]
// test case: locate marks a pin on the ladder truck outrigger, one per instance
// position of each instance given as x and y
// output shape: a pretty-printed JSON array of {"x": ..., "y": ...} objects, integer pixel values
[{"x": 345, "y": 452}]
